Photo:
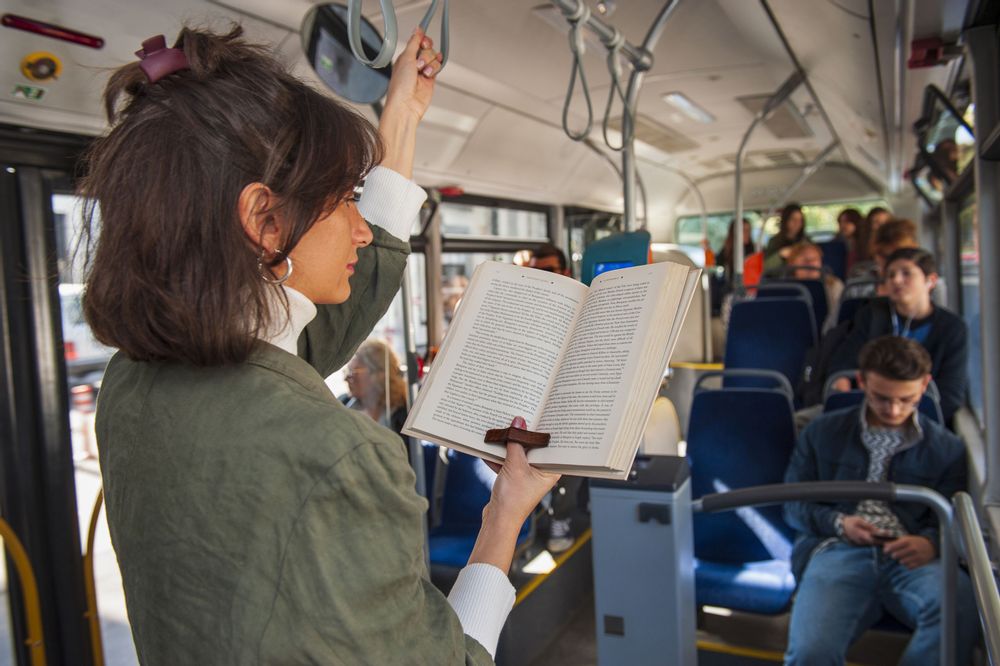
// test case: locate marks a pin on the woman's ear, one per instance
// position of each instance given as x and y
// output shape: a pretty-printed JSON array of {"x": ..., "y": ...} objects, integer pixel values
[{"x": 259, "y": 224}]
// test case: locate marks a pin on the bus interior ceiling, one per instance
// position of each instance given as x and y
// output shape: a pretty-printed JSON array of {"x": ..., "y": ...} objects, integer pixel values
[{"x": 495, "y": 126}]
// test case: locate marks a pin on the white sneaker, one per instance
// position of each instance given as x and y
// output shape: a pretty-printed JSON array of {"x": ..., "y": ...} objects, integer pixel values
[{"x": 560, "y": 535}]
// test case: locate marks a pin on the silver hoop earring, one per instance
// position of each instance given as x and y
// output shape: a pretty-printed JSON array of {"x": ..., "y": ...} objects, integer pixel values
[{"x": 265, "y": 272}]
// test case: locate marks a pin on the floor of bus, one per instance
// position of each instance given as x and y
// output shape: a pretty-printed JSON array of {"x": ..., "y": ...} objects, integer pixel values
[{"x": 738, "y": 639}]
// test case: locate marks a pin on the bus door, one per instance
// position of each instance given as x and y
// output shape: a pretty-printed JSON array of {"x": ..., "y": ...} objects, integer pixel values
[{"x": 37, "y": 489}]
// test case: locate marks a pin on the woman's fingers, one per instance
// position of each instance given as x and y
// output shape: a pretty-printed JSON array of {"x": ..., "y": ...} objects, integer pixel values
[
  {"x": 414, "y": 44},
  {"x": 429, "y": 62}
]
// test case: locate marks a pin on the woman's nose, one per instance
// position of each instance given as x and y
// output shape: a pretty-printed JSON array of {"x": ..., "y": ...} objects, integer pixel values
[{"x": 361, "y": 233}]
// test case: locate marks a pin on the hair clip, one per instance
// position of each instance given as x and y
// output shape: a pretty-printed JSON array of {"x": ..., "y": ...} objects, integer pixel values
[{"x": 158, "y": 61}]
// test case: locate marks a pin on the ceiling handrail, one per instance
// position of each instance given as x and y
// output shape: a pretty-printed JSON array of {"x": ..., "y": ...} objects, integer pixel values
[
  {"x": 391, "y": 36},
  {"x": 388, "y": 48}
]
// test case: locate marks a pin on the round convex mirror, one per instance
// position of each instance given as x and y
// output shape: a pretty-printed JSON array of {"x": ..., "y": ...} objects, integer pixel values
[{"x": 325, "y": 42}]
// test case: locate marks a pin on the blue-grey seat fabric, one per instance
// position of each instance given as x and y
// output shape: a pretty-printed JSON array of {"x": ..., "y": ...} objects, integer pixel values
[
  {"x": 739, "y": 437},
  {"x": 815, "y": 289},
  {"x": 771, "y": 334},
  {"x": 467, "y": 489},
  {"x": 835, "y": 257}
]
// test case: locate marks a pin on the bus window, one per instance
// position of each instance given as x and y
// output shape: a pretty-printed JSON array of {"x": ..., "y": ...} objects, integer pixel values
[
  {"x": 464, "y": 220},
  {"x": 821, "y": 219},
  {"x": 968, "y": 220},
  {"x": 456, "y": 271},
  {"x": 688, "y": 230}
]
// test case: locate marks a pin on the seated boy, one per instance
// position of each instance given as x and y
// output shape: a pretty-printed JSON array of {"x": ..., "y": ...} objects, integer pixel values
[
  {"x": 909, "y": 312},
  {"x": 856, "y": 561}
]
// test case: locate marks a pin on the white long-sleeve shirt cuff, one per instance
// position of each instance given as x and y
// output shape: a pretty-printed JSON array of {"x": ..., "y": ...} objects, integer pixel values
[
  {"x": 391, "y": 200},
  {"x": 482, "y": 598}
]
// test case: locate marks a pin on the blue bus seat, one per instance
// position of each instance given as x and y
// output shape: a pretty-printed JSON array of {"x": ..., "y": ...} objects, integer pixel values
[
  {"x": 771, "y": 334},
  {"x": 835, "y": 257},
  {"x": 467, "y": 488},
  {"x": 817, "y": 293},
  {"x": 739, "y": 437},
  {"x": 774, "y": 289}
]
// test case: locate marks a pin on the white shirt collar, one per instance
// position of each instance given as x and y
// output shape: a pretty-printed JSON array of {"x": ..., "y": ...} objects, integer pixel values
[{"x": 286, "y": 326}]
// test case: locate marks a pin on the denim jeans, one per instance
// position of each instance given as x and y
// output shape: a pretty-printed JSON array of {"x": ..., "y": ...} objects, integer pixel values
[{"x": 845, "y": 590}]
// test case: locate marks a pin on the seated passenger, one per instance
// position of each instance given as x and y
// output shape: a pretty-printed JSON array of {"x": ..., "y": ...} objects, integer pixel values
[
  {"x": 791, "y": 230},
  {"x": 848, "y": 226},
  {"x": 853, "y": 562},
  {"x": 806, "y": 261},
  {"x": 909, "y": 312},
  {"x": 549, "y": 258},
  {"x": 889, "y": 237},
  {"x": 373, "y": 368},
  {"x": 727, "y": 254},
  {"x": 864, "y": 236}
]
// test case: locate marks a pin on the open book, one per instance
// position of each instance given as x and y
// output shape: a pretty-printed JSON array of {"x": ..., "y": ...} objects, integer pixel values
[{"x": 583, "y": 364}]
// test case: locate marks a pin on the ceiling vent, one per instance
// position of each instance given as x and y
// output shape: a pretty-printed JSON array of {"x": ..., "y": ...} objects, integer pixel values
[
  {"x": 656, "y": 135},
  {"x": 784, "y": 157},
  {"x": 785, "y": 122},
  {"x": 757, "y": 159}
]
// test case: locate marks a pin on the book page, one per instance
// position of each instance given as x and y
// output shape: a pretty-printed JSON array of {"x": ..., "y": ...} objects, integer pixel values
[
  {"x": 587, "y": 399},
  {"x": 499, "y": 356}
]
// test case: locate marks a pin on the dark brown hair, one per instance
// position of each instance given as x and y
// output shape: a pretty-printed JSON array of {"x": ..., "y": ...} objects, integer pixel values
[
  {"x": 894, "y": 233},
  {"x": 896, "y": 358},
  {"x": 853, "y": 216},
  {"x": 919, "y": 256},
  {"x": 786, "y": 214},
  {"x": 171, "y": 272},
  {"x": 550, "y": 250},
  {"x": 863, "y": 234}
]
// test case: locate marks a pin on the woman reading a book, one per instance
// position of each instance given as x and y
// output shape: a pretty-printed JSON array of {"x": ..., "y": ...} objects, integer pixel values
[{"x": 255, "y": 518}]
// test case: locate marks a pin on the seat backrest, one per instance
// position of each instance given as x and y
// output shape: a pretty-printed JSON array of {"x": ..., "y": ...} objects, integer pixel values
[
  {"x": 467, "y": 490},
  {"x": 835, "y": 256},
  {"x": 736, "y": 377},
  {"x": 772, "y": 334},
  {"x": 738, "y": 438},
  {"x": 817, "y": 293},
  {"x": 775, "y": 289}
]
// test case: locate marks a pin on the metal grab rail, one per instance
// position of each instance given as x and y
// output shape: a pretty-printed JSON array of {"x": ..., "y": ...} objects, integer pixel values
[
  {"x": 779, "y": 96},
  {"x": 388, "y": 47},
  {"x": 855, "y": 491},
  {"x": 641, "y": 58},
  {"x": 93, "y": 619},
  {"x": 984, "y": 585},
  {"x": 35, "y": 639}
]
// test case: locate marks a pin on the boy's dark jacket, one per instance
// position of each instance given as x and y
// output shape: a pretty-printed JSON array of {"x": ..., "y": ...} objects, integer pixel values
[{"x": 830, "y": 449}]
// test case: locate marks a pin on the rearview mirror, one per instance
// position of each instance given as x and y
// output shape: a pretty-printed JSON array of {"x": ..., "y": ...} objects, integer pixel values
[{"x": 325, "y": 43}]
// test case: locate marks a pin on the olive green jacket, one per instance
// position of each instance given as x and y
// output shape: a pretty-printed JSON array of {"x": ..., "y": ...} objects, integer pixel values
[{"x": 257, "y": 520}]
